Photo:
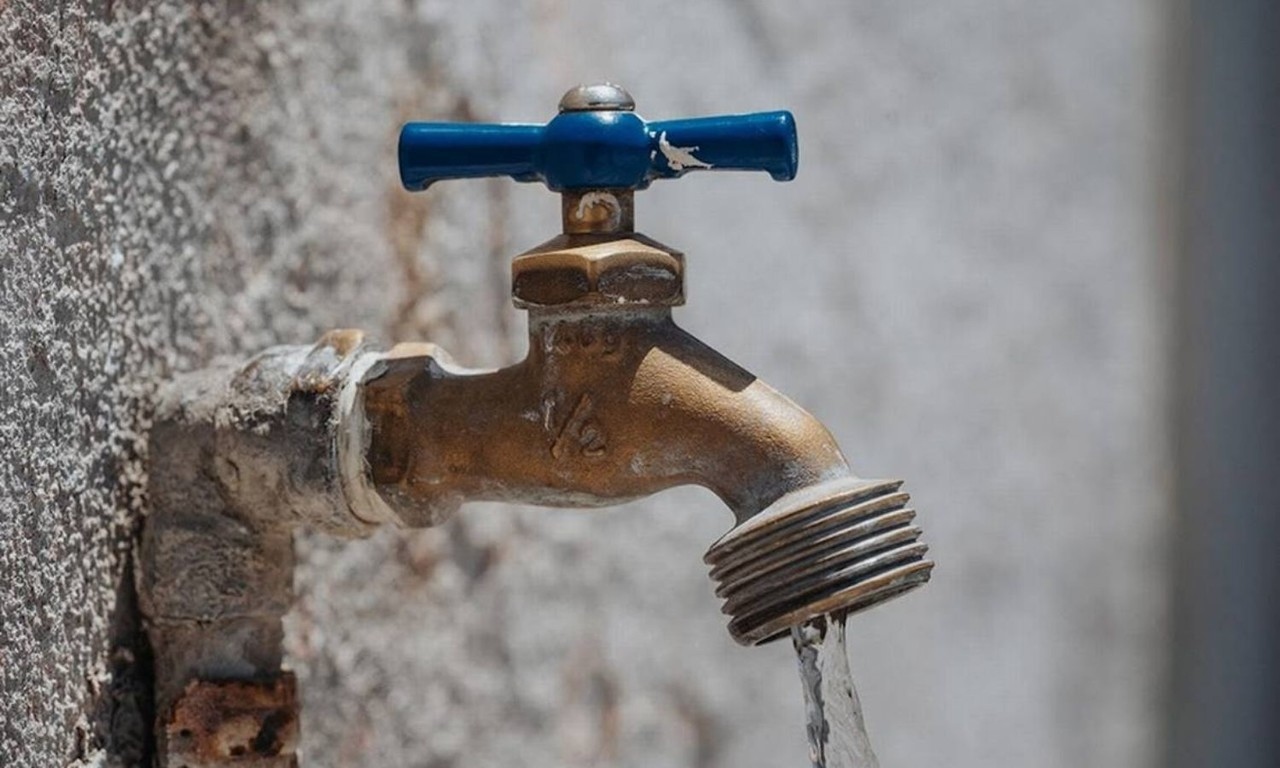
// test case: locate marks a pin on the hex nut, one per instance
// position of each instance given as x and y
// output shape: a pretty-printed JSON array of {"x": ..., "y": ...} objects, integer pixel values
[{"x": 598, "y": 271}]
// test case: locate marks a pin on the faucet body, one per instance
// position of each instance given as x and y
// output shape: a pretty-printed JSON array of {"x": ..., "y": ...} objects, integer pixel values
[{"x": 608, "y": 406}]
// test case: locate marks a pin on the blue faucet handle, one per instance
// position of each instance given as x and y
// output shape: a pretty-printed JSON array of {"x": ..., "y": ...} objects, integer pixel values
[
  {"x": 431, "y": 152},
  {"x": 598, "y": 144},
  {"x": 763, "y": 141}
]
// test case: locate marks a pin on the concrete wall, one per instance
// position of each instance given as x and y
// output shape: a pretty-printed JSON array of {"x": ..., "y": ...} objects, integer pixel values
[{"x": 964, "y": 283}]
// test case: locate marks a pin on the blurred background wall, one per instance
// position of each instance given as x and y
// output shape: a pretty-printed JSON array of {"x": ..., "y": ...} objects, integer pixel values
[{"x": 966, "y": 283}]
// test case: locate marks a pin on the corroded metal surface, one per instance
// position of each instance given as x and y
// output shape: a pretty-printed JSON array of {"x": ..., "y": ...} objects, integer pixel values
[
  {"x": 234, "y": 722},
  {"x": 240, "y": 456}
]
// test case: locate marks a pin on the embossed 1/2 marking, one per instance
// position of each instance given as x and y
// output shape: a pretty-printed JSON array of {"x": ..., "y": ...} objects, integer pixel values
[{"x": 580, "y": 428}]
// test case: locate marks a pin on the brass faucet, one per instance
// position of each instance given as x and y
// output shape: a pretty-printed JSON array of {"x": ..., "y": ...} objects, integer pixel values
[{"x": 612, "y": 402}]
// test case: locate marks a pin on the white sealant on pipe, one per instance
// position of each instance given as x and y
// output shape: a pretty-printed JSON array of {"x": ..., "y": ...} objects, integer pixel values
[{"x": 353, "y": 434}]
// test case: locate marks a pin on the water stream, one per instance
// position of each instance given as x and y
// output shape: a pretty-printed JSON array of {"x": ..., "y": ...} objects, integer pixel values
[{"x": 833, "y": 714}]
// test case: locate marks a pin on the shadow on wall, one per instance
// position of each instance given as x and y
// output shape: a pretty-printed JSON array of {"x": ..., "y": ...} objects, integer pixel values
[{"x": 1224, "y": 689}]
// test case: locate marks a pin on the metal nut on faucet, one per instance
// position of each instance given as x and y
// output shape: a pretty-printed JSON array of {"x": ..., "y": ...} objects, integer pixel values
[{"x": 598, "y": 270}]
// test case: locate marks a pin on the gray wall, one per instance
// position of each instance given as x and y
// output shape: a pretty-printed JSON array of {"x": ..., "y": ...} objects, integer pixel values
[{"x": 964, "y": 283}]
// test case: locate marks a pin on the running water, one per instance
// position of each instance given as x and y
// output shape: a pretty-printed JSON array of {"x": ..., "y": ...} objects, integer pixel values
[{"x": 833, "y": 714}]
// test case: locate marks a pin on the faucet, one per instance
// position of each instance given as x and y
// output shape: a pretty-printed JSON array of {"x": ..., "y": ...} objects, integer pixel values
[{"x": 613, "y": 402}]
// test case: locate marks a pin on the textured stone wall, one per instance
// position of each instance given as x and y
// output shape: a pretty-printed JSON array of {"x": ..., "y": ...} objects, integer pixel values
[{"x": 963, "y": 283}]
